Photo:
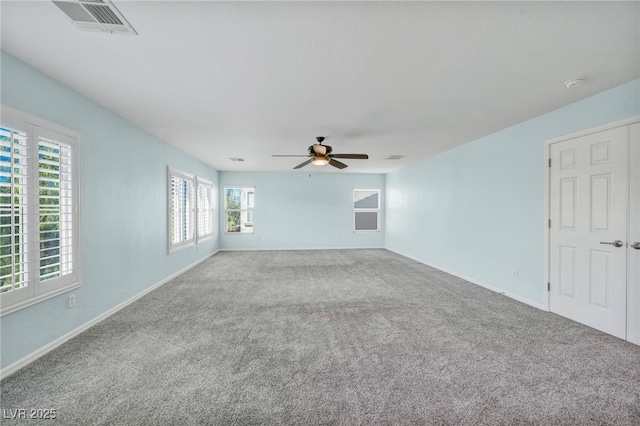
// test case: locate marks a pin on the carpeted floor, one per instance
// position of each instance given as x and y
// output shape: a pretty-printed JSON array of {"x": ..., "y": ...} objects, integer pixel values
[{"x": 340, "y": 337}]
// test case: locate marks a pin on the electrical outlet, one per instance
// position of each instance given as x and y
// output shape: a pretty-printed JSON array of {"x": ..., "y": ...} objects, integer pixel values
[
  {"x": 514, "y": 273},
  {"x": 72, "y": 301}
]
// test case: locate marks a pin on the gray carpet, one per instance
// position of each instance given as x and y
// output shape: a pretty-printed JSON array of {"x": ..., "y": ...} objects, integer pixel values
[{"x": 341, "y": 337}]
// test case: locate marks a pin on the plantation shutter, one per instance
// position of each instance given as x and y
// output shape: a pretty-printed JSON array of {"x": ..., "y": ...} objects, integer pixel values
[
  {"x": 55, "y": 208},
  {"x": 14, "y": 267},
  {"x": 205, "y": 217},
  {"x": 181, "y": 210}
]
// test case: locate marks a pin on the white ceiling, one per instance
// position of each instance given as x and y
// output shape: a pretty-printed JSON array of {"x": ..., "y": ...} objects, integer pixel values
[{"x": 252, "y": 79}]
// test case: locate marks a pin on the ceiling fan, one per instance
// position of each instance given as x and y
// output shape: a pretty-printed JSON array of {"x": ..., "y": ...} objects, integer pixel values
[{"x": 322, "y": 155}]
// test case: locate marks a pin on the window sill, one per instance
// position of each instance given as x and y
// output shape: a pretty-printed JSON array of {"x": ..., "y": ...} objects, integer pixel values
[
  {"x": 41, "y": 298},
  {"x": 177, "y": 248}
]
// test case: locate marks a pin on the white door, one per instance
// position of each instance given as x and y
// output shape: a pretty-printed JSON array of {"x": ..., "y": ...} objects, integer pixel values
[
  {"x": 587, "y": 240},
  {"x": 633, "y": 251}
]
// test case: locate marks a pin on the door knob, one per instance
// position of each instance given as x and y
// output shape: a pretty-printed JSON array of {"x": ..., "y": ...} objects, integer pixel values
[
  {"x": 636, "y": 245},
  {"x": 616, "y": 243}
]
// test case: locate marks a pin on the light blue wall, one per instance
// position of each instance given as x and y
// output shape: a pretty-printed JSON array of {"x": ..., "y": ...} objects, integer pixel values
[
  {"x": 477, "y": 210},
  {"x": 302, "y": 210},
  {"x": 124, "y": 209}
]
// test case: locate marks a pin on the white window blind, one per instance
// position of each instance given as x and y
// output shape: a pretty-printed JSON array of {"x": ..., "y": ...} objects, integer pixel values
[
  {"x": 14, "y": 191},
  {"x": 55, "y": 208},
  {"x": 205, "y": 209},
  {"x": 181, "y": 210},
  {"x": 39, "y": 210}
]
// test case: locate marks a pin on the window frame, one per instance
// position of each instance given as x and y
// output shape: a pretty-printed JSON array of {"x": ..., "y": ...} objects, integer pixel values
[
  {"x": 39, "y": 130},
  {"x": 357, "y": 210},
  {"x": 251, "y": 190},
  {"x": 183, "y": 243}
]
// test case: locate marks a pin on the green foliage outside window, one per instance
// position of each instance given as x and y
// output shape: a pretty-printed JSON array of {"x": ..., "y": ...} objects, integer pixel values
[{"x": 234, "y": 201}]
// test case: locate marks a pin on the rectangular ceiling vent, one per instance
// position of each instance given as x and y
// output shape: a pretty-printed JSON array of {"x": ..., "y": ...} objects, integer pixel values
[
  {"x": 395, "y": 157},
  {"x": 95, "y": 15}
]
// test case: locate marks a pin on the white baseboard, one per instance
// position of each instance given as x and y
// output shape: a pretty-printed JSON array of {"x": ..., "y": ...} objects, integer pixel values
[
  {"x": 474, "y": 281},
  {"x": 299, "y": 248},
  {"x": 23, "y": 362}
]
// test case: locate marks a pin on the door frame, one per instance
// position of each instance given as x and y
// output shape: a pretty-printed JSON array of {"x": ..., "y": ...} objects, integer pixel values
[
  {"x": 546, "y": 302},
  {"x": 633, "y": 269}
]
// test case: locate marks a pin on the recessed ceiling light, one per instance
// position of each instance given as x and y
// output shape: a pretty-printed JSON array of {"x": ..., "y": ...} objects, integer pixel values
[{"x": 574, "y": 82}]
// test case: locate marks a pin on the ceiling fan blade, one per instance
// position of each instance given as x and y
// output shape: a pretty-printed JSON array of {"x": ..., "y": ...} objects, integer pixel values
[
  {"x": 289, "y": 155},
  {"x": 352, "y": 156},
  {"x": 336, "y": 163},
  {"x": 299, "y": 166}
]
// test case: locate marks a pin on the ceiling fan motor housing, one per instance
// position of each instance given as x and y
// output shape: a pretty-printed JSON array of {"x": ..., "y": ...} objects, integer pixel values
[{"x": 319, "y": 149}]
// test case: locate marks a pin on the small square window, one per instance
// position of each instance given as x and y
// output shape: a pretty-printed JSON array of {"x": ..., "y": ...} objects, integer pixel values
[{"x": 366, "y": 210}]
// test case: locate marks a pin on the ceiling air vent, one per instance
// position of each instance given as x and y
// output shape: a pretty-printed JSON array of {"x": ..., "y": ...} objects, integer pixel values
[
  {"x": 95, "y": 15},
  {"x": 395, "y": 157}
]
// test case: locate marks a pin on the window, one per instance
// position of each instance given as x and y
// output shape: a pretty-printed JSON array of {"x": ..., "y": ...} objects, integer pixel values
[
  {"x": 205, "y": 209},
  {"x": 190, "y": 209},
  {"x": 181, "y": 210},
  {"x": 239, "y": 210},
  {"x": 366, "y": 210},
  {"x": 39, "y": 210}
]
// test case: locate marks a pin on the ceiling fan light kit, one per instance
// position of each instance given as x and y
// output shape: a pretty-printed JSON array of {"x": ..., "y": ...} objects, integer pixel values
[
  {"x": 320, "y": 160},
  {"x": 321, "y": 155}
]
